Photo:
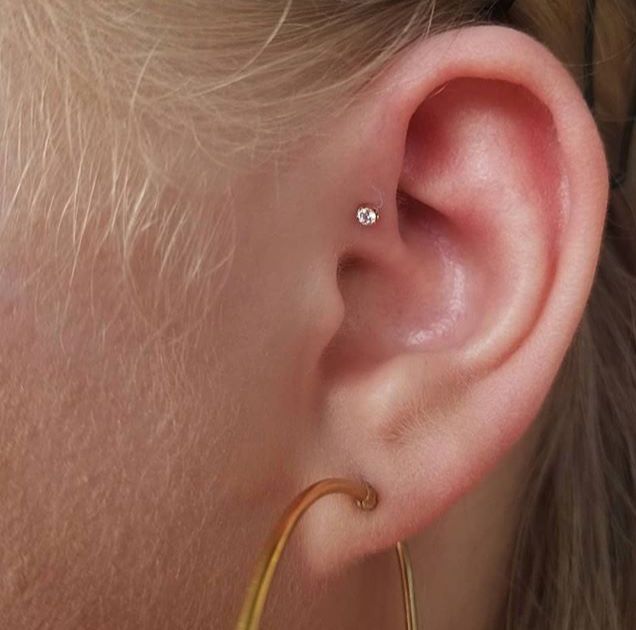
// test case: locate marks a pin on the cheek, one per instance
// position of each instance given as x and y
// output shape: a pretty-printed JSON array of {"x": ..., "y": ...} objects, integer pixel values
[
  {"x": 152, "y": 409},
  {"x": 266, "y": 334},
  {"x": 120, "y": 446}
]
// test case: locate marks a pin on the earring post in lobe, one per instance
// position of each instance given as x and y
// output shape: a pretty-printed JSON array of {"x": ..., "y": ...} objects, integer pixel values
[{"x": 366, "y": 499}]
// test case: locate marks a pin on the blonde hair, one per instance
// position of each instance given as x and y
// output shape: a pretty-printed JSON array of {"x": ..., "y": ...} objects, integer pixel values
[{"x": 92, "y": 93}]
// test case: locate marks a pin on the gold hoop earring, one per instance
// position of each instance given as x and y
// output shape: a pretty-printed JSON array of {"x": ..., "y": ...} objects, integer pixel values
[{"x": 366, "y": 498}]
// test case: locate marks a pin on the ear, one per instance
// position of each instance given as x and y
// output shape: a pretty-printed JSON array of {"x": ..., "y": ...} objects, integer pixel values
[{"x": 460, "y": 303}]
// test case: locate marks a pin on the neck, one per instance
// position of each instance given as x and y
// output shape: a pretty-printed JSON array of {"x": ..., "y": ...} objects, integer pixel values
[{"x": 460, "y": 562}]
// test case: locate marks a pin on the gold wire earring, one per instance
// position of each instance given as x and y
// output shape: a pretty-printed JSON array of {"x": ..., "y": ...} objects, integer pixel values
[{"x": 366, "y": 498}]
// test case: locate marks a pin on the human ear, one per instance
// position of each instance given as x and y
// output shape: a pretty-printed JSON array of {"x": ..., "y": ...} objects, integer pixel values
[{"x": 460, "y": 303}]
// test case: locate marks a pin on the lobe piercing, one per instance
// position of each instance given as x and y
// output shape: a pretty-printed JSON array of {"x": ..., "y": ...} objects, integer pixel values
[{"x": 367, "y": 215}]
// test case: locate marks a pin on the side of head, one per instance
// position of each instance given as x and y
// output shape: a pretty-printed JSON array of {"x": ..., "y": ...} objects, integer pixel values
[{"x": 195, "y": 327}]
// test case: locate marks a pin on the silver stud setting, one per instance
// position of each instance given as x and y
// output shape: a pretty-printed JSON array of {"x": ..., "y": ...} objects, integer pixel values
[{"x": 367, "y": 215}]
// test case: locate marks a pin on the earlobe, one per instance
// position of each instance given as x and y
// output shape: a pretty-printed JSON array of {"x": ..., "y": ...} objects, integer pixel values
[{"x": 461, "y": 305}]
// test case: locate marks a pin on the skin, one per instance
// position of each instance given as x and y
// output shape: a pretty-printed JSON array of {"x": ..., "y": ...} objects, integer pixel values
[{"x": 144, "y": 472}]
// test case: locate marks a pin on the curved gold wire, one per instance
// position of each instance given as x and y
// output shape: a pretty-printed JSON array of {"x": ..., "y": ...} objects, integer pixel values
[
  {"x": 406, "y": 573},
  {"x": 366, "y": 499}
]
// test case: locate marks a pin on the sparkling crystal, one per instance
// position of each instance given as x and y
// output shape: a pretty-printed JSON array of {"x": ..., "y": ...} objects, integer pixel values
[{"x": 367, "y": 216}]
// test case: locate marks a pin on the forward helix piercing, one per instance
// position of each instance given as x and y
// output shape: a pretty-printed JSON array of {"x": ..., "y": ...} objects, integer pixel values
[
  {"x": 367, "y": 215},
  {"x": 366, "y": 499}
]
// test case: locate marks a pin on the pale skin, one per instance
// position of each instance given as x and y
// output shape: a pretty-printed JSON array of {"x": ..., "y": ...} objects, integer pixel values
[{"x": 414, "y": 354}]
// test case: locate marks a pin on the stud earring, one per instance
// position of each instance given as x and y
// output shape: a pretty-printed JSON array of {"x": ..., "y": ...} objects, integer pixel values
[
  {"x": 367, "y": 215},
  {"x": 366, "y": 499}
]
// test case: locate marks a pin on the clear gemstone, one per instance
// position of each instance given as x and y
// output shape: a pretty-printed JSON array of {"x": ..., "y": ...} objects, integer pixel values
[{"x": 367, "y": 216}]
